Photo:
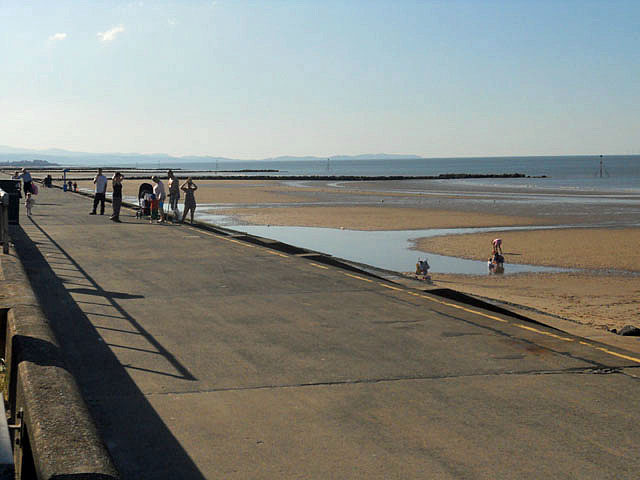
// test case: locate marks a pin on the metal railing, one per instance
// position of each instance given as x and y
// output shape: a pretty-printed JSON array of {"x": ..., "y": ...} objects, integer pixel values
[{"x": 4, "y": 221}]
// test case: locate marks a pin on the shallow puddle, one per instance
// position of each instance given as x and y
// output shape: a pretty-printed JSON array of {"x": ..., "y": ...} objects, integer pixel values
[{"x": 391, "y": 250}]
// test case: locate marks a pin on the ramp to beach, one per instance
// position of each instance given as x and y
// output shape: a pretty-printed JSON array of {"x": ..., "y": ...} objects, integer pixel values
[{"x": 204, "y": 356}]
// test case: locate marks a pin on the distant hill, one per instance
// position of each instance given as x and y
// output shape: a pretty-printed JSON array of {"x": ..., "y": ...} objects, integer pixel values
[
  {"x": 26, "y": 163},
  {"x": 13, "y": 156}
]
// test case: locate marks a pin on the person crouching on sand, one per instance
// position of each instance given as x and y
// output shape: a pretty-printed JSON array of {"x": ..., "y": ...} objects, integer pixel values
[
  {"x": 188, "y": 188},
  {"x": 497, "y": 245}
]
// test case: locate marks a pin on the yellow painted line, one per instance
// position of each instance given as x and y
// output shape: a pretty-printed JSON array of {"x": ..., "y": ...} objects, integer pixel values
[
  {"x": 566, "y": 339},
  {"x": 204, "y": 232},
  {"x": 358, "y": 278},
  {"x": 470, "y": 310},
  {"x": 531, "y": 329},
  {"x": 244, "y": 244},
  {"x": 615, "y": 354},
  {"x": 319, "y": 266},
  {"x": 278, "y": 254},
  {"x": 389, "y": 286}
]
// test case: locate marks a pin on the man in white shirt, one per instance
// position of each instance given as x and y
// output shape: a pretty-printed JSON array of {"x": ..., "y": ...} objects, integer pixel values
[
  {"x": 159, "y": 192},
  {"x": 100, "y": 182},
  {"x": 26, "y": 178}
]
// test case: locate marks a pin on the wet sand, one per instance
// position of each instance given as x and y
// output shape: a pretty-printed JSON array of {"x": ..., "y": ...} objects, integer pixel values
[{"x": 601, "y": 297}]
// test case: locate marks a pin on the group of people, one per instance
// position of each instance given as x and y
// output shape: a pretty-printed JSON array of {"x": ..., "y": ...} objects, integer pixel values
[
  {"x": 27, "y": 181},
  {"x": 29, "y": 188},
  {"x": 496, "y": 260},
  {"x": 156, "y": 198}
]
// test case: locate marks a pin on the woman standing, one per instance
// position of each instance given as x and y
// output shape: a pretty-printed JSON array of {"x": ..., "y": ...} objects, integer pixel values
[
  {"x": 116, "y": 199},
  {"x": 188, "y": 188},
  {"x": 174, "y": 195}
]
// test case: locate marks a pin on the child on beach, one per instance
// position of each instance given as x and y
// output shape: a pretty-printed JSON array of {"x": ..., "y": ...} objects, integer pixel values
[
  {"x": 153, "y": 204},
  {"x": 28, "y": 203}
]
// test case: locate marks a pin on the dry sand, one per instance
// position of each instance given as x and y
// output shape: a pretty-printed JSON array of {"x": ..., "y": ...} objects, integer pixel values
[{"x": 603, "y": 298}]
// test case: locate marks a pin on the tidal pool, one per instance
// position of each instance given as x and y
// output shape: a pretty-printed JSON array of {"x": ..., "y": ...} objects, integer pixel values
[{"x": 390, "y": 250}]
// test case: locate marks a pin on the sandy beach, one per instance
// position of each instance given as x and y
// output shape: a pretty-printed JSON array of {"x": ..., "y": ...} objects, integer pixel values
[
  {"x": 604, "y": 293},
  {"x": 582, "y": 248}
]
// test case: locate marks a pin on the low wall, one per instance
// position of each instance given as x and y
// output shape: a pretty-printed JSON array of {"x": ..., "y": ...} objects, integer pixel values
[{"x": 59, "y": 439}]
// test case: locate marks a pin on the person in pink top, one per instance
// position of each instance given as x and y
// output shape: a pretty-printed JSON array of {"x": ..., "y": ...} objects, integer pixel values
[{"x": 497, "y": 245}]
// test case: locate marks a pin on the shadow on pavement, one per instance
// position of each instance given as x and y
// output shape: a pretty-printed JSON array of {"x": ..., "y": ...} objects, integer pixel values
[
  {"x": 109, "y": 295},
  {"x": 139, "y": 441}
]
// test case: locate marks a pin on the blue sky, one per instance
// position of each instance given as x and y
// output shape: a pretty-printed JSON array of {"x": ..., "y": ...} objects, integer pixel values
[{"x": 258, "y": 79}]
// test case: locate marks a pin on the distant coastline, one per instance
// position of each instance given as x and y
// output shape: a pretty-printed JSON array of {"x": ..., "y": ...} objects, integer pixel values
[{"x": 28, "y": 163}]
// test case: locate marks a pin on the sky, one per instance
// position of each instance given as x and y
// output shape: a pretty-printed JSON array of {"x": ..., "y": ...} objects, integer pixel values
[{"x": 258, "y": 79}]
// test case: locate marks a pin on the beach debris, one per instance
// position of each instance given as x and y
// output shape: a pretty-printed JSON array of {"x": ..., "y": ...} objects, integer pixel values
[{"x": 629, "y": 331}]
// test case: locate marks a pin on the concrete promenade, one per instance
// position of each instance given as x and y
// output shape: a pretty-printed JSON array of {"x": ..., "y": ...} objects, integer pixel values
[{"x": 204, "y": 356}]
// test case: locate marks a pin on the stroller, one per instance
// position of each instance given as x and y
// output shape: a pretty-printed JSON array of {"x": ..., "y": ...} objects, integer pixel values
[{"x": 144, "y": 192}]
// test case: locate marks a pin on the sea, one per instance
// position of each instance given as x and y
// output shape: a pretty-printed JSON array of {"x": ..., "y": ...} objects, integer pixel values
[{"x": 620, "y": 173}]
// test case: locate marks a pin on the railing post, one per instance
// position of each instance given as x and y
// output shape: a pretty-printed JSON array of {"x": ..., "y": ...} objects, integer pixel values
[{"x": 4, "y": 221}]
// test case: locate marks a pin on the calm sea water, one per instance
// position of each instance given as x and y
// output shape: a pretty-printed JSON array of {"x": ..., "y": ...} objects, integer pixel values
[{"x": 620, "y": 173}]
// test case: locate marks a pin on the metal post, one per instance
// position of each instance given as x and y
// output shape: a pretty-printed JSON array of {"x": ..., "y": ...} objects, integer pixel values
[
  {"x": 600, "y": 166},
  {"x": 4, "y": 222}
]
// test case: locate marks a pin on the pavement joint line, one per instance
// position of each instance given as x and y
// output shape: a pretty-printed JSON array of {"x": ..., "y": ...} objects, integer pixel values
[
  {"x": 596, "y": 370},
  {"x": 319, "y": 266}
]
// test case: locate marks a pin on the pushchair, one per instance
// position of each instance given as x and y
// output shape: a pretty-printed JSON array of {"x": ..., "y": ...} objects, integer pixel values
[{"x": 144, "y": 192}]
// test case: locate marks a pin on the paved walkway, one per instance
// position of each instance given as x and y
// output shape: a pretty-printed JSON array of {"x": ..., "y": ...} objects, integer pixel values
[{"x": 202, "y": 356}]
